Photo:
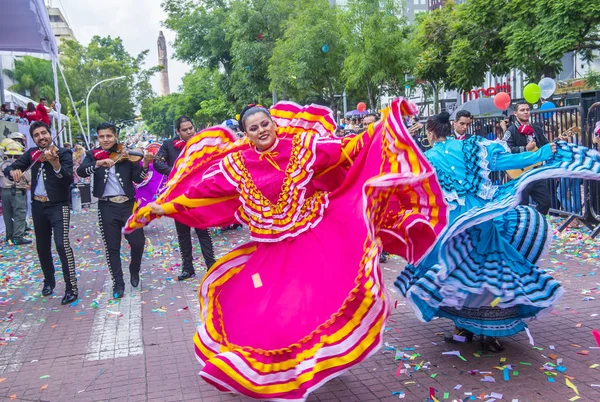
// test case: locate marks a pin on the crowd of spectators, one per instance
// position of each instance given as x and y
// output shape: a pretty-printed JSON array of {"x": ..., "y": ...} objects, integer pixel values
[{"x": 20, "y": 115}]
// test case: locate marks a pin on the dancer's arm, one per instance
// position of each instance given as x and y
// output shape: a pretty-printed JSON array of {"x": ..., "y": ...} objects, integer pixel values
[
  {"x": 508, "y": 161},
  {"x": 200, "y": 202}
]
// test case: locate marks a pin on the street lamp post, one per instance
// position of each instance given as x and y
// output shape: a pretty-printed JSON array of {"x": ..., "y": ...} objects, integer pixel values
[{"x": 87, "y": 98}]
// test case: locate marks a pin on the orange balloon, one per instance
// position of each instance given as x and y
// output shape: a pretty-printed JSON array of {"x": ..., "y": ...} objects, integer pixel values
[
  {"x": 361, "y": 107},
  {"x": 502, "y": 100}
]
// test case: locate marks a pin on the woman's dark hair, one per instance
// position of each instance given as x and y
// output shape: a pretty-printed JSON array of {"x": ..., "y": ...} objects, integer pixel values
[
  {"x": 37, "y": 124},
  {"x": 439, "y": 125},
  {"x": 30, "y": 107},
  {"x": 182, "y": 119},
  {"x": 249, "y": 111},
  {"x": 107, "y": 126}
]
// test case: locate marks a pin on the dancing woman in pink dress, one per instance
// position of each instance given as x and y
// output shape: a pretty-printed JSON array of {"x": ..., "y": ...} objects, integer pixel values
[{"x": 304, "y": 299}]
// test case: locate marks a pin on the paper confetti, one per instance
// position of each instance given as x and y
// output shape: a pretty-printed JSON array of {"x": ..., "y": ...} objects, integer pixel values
[
  {"x": 256, "y": 280},
  {"x": 571, "y": 385},
  {"x": 495, "y": 302}
]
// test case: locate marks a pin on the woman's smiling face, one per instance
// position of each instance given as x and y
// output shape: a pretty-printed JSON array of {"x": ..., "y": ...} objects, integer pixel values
[{"x": 260, "y": 130}]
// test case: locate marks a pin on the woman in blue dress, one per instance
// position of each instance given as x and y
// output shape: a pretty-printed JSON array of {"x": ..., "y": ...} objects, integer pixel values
[{"x": 481, "y": 273}]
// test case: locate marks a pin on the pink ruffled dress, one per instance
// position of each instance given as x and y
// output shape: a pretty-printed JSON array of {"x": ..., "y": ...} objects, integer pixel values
[{"x": 304, "y": 300}]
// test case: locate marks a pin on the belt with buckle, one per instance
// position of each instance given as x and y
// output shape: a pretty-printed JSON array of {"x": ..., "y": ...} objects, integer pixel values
[
  {"x": 119, "y": 199},
  {"x": 41, "y": 198}
]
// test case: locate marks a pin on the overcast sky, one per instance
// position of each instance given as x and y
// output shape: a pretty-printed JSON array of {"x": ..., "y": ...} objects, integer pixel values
[{"x": 137, "y": 22}]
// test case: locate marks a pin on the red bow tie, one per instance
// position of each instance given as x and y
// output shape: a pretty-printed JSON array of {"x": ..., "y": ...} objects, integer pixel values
[
  {"x": 179, "y": 144},
  {"x": 526, "y": 129},
  {"x": 100, "y": 154}
]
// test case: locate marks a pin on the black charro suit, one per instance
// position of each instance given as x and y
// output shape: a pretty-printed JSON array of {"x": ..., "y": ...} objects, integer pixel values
[
  {"x": 539, "y": 191},
  {"x": 163, "y": 163},
  {"x": 52, "y": 216},
  {"x": 112, "y": 216}
]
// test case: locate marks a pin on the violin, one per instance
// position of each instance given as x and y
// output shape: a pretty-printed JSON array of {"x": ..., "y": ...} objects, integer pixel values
[
  {"x": 53, "y": 152},
  {"x": 122, "y": 154}
]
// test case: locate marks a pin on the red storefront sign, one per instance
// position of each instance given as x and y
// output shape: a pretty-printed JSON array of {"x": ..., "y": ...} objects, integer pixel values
[{"x": 483, "y": 92}]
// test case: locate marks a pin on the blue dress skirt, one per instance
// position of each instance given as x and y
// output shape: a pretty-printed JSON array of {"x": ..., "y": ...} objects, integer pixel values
[{"x": 481, "y": 273}]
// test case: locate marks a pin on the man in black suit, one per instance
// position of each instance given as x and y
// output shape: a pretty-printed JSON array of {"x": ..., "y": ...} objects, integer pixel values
[
  {"x": 521, "y": 136},
  {"x": 51, "y": 179},
  {"x": 462, "y": 121},
  {"x": 163, "y": 163},
  {"x": 113, "y": 186}
]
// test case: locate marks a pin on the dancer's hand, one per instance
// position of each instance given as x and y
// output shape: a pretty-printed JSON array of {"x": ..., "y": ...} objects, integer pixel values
[
  {"x": 553, "y": 146},
  {"x": 157, "y": 209}
]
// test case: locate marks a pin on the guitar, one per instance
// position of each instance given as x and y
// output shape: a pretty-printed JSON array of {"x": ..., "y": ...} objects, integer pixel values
[{"x": 565, "y": 136}]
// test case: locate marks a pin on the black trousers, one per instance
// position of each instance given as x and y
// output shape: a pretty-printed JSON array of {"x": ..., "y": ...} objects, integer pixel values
[
  {"x": 49, "y": 219},
  {"x": 539, "y": 191},
  {"x": 185, "y": 246},
  {"x": 111, "y": 218}
]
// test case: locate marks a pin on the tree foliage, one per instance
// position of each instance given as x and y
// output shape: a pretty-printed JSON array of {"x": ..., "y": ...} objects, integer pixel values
[
  {"x": 200, "y": 98},
  {"x": 33, "y": 77},
  {"x": 308, "y": 59},
  {"x": 83, "y": 66},
  {"x": 379, "y": 56},
  {"x": 529, "y": 35}
]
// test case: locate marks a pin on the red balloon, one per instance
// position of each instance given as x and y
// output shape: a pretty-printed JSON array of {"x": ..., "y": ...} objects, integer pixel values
[
  {"x": 361, "y": 107},
  {"x": 502, "y": 100}
]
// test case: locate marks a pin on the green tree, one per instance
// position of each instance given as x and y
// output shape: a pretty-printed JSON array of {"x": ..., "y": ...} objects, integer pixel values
[
  {"x": 379, "y": 56},
  {"x": 201, "y": 99},
  {"x": 592, "y": 79},
  {"x": 254, "y": 28},
  {"x": 530, "y": 35},
  {"x": 432, "y": 39},
  {"x": 307, "y": 62},
  {"x": 159, "y": 114},
  {"x": 33, "y": 77},
  {"x": 106, "y": 58},
  {"x": 201, "y": 28}
]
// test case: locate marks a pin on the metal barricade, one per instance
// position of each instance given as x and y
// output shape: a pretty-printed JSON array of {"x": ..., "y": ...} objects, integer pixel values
[
  {"x": 593, "y": 186},
  {"x": 570, "y": 198}
]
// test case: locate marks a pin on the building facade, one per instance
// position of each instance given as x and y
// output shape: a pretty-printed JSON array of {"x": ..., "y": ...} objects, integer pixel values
[{"x": 61, "y": 28}]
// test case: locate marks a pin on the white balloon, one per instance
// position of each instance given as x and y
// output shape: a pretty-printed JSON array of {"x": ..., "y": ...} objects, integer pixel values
[{"x": 548, "y": 86}]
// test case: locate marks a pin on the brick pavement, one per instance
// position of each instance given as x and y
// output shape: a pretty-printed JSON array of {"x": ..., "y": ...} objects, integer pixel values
[{"x": 93, "y": 351}]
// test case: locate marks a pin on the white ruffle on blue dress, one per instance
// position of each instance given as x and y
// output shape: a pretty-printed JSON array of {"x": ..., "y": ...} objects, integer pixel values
[{"x": 482, "y": 274}]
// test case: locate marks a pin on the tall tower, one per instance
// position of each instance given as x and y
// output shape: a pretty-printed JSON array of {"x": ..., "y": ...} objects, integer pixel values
[{"x": 163, "y": 61}]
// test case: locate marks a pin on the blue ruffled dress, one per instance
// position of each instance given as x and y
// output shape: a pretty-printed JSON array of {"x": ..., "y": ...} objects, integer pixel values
[{"x": 481, "y": 273}]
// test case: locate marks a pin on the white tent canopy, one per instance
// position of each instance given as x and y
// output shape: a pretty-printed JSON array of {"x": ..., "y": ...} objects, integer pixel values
[
  {"x": 25, "y": 27},
  {"x": 21, "y": 100}
]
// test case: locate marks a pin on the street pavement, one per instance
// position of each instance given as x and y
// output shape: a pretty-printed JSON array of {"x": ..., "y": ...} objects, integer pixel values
[{"x": 140, "y": 348}]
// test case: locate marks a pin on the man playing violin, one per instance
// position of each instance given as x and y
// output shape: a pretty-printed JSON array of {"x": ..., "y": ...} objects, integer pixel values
[
  {"x": 114, "y": 172},
  {"x": 163, "y": 163},
  {"x": 51, "y": 178}
]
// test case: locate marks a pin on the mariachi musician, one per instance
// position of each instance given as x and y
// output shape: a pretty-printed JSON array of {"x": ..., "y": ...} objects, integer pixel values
[
  {"x": 51, "y": 179},
  {"x": 522, "y": 136},
  {"x": 163, "y": 163},
  {"x": 114, "y": 171}
]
